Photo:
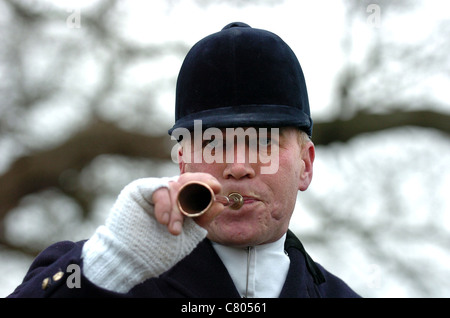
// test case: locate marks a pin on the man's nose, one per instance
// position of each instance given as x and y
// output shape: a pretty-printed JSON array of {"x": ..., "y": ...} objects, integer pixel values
[
  {"x": 239, "y": 166},
  {"x": 238, "y": 171}
]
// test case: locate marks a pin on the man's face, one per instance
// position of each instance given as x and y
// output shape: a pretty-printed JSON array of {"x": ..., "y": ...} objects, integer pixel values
[{"x": 269, "y": 198}]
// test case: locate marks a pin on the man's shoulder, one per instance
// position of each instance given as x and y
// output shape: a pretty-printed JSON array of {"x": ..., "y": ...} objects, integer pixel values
[
  {"x": 323, "y": 283},
  {"x": 334, "y": 287}
]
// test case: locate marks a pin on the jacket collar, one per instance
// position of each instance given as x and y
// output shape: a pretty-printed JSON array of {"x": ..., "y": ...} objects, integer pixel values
[{"x": 203, "y": 274}]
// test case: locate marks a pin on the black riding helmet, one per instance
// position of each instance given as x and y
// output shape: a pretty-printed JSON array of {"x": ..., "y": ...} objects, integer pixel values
[{"x": 241, "y": 77}]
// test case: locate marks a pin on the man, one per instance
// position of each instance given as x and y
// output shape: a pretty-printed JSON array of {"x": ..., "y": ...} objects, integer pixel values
[{"x": 243, "y": 123}]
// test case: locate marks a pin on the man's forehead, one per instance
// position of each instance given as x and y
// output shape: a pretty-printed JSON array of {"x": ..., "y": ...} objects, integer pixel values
[
  {"x": 237, "y": 131},
  {"x": 202, "y": 132},
  {"x": 258, "y": 130}
]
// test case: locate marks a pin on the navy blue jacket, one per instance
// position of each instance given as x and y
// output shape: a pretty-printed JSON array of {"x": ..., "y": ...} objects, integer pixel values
[{"x": 200, "y": 274}]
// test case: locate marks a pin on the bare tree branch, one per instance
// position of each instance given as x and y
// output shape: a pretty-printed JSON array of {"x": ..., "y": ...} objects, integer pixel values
[
  {"x": 43, "y": 169},
  {"x": 344, "y": 129}
]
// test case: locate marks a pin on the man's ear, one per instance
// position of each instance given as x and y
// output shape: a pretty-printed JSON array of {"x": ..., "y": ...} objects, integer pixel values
[{"x": 308, "y": 154}]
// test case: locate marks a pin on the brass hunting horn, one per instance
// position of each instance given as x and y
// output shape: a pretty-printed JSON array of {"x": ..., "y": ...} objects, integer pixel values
[{"x": 195, "y": 198}]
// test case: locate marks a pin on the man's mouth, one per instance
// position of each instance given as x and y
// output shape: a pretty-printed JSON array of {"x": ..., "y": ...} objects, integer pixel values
[{"x": 249, "y": 199}]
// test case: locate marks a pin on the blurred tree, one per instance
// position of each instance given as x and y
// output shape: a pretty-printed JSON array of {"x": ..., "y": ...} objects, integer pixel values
[
  {"x": 83, "y": 79},
  {"x": 389, "y": 203}
]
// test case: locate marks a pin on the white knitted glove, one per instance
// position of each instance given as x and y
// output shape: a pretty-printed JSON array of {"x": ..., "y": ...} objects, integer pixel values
[{"x": 132, "y": 246}]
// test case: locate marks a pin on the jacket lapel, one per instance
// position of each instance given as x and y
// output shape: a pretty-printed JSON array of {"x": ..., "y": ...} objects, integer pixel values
[{"x": 201, "y": 274}]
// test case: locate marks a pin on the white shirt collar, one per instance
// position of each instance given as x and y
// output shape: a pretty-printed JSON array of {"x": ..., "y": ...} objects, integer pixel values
[{"x": 259, "y": 271}]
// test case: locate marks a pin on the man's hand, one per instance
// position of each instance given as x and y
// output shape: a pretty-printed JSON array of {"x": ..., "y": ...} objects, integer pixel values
[{"x": 166, "y": 208}]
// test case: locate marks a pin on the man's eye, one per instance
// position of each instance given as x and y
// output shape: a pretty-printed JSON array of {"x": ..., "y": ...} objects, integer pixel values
[
  {"x": 265, "y": 141},
  {"x": 210, "y": 143}
]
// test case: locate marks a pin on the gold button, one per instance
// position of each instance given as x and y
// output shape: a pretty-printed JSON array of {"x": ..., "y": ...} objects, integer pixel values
[
  {"x": 58, "y": 276},
  {"x": 45, "y": 283}
]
